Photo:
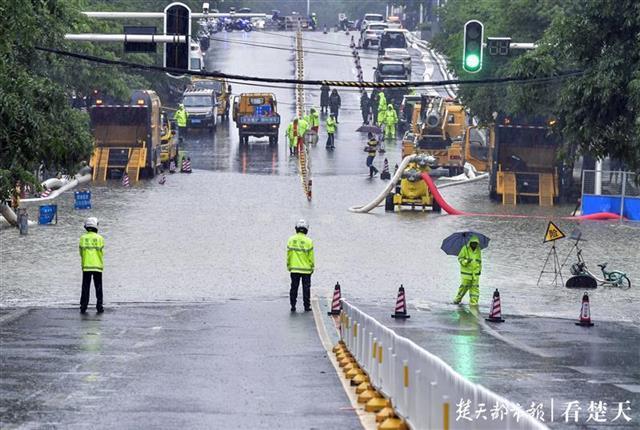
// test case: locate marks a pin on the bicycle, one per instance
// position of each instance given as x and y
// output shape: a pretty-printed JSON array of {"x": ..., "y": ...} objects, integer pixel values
[{"x": 614, "y": 278}]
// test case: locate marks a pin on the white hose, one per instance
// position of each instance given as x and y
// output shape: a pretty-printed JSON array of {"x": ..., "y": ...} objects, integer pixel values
[
  {"x": 79, "y": 179},
  {"x": 467, "y": 181},
  {"x": 392, "y": 183}
]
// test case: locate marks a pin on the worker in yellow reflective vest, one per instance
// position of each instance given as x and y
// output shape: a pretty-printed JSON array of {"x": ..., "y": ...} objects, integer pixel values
[
  {"x": 181, "y": 116},
  {"x": 300, "y": 264},
  {"x": 470, "y": 259},
  {"x": 390, "y": 122},
  {"x": 295, "y": 132},
  {"x": 91, "y": 254},
  {"x": 313, "y": 120},
  {"x": 331, "y": 131}
]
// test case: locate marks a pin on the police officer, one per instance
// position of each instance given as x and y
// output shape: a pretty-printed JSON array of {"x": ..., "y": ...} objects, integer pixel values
[
  {"x": 300, "y": 264},
  {"x": 91, "y": 254},
  {"x": 181, "y": 117},
  {"x": 470, "y": 259}
]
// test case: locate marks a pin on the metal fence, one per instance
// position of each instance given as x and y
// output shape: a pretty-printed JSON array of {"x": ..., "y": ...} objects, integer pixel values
[
  {"x": 423, "y": 389},
  {"x": 611, "y": 191}
]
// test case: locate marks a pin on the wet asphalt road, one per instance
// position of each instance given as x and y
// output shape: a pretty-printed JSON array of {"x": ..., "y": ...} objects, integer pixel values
[
  {"x": 219, "y": 234},
  {"x": 237, "y": 364}
]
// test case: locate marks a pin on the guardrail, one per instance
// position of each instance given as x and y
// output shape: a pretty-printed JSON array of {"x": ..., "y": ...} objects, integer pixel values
[{"x": 424, "y": 390}]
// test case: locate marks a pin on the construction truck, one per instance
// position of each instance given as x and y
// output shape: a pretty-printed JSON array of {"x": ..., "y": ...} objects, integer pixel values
[
  {"x": 524, "y": 161},
  {"x": 441, "y": 130},
  {"x": 168, "y": 145},
  {"x": 412, "y": 190},
  {"x": 256, "y": 114},
  {"x": 128, "y": 138}
]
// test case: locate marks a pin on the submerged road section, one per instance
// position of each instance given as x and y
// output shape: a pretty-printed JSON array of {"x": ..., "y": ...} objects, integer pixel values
[{"x": 236, "y": 364}]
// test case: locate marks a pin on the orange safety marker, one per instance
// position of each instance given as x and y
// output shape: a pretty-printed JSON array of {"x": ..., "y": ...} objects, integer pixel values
[
  {"x": 401, "y": 305},
  {"x": 585, "y": 312},
  {"x": 336, "y": 306},
  {"x": 496, "y": 310}
]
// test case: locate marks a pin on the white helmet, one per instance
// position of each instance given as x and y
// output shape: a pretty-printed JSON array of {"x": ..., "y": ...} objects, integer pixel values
[
  {"x": 91, "y": 222},
  {"x": 302, "y": 224}
]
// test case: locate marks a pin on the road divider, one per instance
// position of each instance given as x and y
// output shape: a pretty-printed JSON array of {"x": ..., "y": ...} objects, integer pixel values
[{"x": 410, "y": 387}]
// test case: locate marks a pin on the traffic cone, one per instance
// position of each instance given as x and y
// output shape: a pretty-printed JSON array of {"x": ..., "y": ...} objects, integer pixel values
[
  {"x": 401, "y": 305},
  {"x": 125, "y": 180},
  {"x": 186, "y": 165},
  {"x": 45, "y": 192},
  {"x": 336, "y": 306},
  {"x": 585, "y": 312},
  {"x": 496, "y": 312},
  {"x": 385, "y": 170}
]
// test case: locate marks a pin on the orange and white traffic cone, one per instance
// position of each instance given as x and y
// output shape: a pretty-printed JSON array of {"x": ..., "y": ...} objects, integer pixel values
[
  {"x": 401, "y": 305},
  {"x": 336, "y": 306},
  {"x": 585, "y": 312},
  {"x": 496, "y": 311}
]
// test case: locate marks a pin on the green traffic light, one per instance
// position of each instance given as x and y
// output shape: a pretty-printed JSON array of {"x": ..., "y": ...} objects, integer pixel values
[{"x": 472, "y": 61}]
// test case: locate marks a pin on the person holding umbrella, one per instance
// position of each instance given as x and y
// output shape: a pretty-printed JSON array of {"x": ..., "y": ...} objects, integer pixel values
[{"x": 468, "y": 247}]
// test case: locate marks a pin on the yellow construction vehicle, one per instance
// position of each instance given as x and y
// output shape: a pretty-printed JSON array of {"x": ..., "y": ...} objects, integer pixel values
[
  {"x": 256, "y": 114},
  {"x": 440, "y": 127},
  {"x": 411, "y": 190},
  {"x": 168, "y": 146},
  {"x": 524, "y": 161},
  {"x": 127, "y": 138}
]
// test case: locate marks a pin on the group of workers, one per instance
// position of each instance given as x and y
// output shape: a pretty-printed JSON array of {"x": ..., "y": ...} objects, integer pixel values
[
  {"x": 299, "y": 126},
  {"x": 375, "y": 110},
  {"x": 300, "y": 260}
]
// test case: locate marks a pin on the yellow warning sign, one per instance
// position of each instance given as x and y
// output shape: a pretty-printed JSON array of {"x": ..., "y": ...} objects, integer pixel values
[{"x": 553, "y": 233}]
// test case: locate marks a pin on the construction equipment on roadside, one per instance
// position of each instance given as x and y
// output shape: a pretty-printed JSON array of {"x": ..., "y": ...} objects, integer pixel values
[
  {"x": 524, "y": 164},
  {"x": 411, "y": 190},
  {"x": 128, "y": 138}
]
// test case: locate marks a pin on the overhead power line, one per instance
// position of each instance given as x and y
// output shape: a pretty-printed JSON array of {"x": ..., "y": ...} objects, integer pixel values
[{"x": 334, "y": 83}]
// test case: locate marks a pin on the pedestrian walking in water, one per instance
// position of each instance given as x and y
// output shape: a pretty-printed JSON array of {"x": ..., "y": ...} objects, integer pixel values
[
  {"x": 390, "y": 122},
  {"x": 300, "y": 264},
  {"x": 371, "y": 148},
  {"x": 470, "y": 259},
  {"x": 334, "y": 104},
  {"x": 374, "y": 105},
  {"x": 331, "y": 131},
  {"x": 324, "y": 98},
  {"x": 365, "y": 107},
  {"x": 91, "y": 255}
]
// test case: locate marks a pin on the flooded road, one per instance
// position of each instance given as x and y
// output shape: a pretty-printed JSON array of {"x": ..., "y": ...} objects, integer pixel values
[{"x": 220, "y": 232}]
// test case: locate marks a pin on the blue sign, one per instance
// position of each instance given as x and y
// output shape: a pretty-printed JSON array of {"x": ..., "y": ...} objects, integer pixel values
[
  {"x": 47, "y": 214},
  {"x": 83, "y": 199}
]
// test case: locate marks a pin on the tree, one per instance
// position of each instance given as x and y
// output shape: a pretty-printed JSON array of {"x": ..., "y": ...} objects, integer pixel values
[{"x": 599, "y": 112}]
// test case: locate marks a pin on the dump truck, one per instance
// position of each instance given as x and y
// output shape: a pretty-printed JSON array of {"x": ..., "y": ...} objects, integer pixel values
[
  {"x": 524, "y": 160},
  {"x": 128, "y": 138},
  {"x": 256, "y": 114}
]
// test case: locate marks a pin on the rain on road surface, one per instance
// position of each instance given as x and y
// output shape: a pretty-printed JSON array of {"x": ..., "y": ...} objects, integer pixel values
[{"x": 220, "y": 232}]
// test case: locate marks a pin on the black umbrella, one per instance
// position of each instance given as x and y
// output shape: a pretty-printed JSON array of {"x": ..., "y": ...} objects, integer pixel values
[
  {"x": 369, "y": 128},
  {"x": 455, "y": 242}
]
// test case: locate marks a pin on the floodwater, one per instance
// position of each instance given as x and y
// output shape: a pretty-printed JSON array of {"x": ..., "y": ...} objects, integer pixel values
[{"x": 221, "y": 232}]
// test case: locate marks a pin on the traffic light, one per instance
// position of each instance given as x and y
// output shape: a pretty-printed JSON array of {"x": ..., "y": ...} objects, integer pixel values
[
  {"x": 177, "y": 21},
  {"x": 472, "y": 49},
  {"x": 498, "y": 45}
]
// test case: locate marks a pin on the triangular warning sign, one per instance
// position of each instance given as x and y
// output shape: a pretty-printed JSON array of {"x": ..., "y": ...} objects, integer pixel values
[{"x": 553, "y": 233}]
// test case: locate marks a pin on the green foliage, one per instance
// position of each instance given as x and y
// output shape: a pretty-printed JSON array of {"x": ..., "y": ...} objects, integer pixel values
[{"x": 599, "y": 112}]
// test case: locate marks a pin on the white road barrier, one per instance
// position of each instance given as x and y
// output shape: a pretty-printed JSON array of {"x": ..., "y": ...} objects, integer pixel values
[{"x": 423, "y": 389}]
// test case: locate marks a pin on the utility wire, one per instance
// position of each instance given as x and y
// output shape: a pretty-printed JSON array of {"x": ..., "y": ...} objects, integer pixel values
[{"x": 356, "y": 84}]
